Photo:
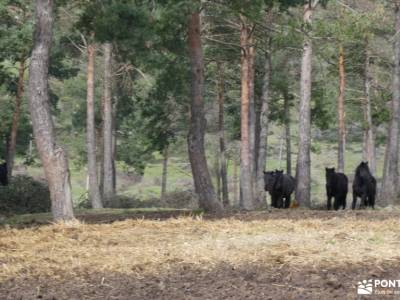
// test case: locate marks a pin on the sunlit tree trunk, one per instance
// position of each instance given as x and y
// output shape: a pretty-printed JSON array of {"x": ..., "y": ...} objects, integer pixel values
[
  {"x": 100, "y": 146},
  {"x": 286, "y": 103},
  {"x": 15, "y": 120},
  {"x": 369, "y": 153},
  {"x": 54, "y": 158},
  {"x": 246, "y": 178},
  {"x": 303, "y": 167},
  {"x": 389, "y": 189},
  {"x": 94, "y": 190},
  {"x": 341, "y": 112},
  {"x": 235, "y": 183},
  {"x": 114, "y": 143},
  {"x": 264, "y": 113},
  {"x": 108, "y": 167},
  {"x": 207, "y": 198},
  {"x": 221, "y": 131},
  {"x": 252, "y": 115}
]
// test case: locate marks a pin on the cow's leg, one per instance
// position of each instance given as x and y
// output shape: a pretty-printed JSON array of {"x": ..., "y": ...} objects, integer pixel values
[
  {"x": 329, "y": 206},
  {"x": 353, "y": 205},
  {"x": 363, "y": 201},
  {"x": 336, "y": 202},
  {"x": 372, "y": 201},
  {"x": 344, "y": 202},
  {"x": 280, "y": 201},
  {"x": 275, "y": 201},
  {"x": 287, "y": 201}
]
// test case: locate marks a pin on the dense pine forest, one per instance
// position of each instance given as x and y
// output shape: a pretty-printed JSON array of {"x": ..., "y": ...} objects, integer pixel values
[{"x": 250, "y": 148}]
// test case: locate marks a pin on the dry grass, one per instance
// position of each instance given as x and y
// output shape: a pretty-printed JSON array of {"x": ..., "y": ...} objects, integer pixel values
[{"x": 148, "y": 247}]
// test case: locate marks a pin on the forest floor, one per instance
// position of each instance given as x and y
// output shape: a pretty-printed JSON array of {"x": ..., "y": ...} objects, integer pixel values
[{"x": 282, "y": 254}]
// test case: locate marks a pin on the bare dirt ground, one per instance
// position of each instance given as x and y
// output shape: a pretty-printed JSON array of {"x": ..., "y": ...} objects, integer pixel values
[{"x": 290, "y": 254}]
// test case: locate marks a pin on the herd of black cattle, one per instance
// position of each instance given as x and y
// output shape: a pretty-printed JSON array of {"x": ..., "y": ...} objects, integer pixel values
[{"x": 280, "y": 186}]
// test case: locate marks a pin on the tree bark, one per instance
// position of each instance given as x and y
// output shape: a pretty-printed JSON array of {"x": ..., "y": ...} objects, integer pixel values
[
  {"x": 100, "y": 146},
  {"x": 54, "y": 158},
  {"x": 303, "y": 167},
  {"x": 286, "y": 103},
  {"x": 108, "y": 168},
  {"x": 235, "y": 183},
  {"x": 15, "y": 120},
  {"x": 369, "y": 153},
  {"x": 221, "y": 130},
  {"x": 94, "y": 190},
  {"x": 114, "y": 143},
  {"x": 164, "y": 172},
  {"x": 246, "y": 178},
  {"x": 217, "y": 172},
  {"x": 341, "y": 112},
  {"x": 264, "y": 114},
  {"x": 100, "y": 153},
  {"x": 252, "y": 115},
  {"x": 389, "y": 189},
  {"x": 201, "y": 175}
]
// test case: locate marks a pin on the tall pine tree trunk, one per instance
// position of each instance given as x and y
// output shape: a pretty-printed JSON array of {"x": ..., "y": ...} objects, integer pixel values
[
  {"x": 114, "y": 143},
  {"x": 54, "y": 158},
  {"x": 246, "y": 177},
  {"x": 341, "y": 112},
  {"x": 264, "y": 113},
  {"x": 286, "y": 99},
  {"x": 108, "y": 165},
  {"x": 100, "y": 146},
  {"x": 369, "y": 153},
  {"x": 15, "y": 120},
  {"x": 164, "y": 173},
  {"x": 303, "y": 167},
  {"x": 252, "y": 116},
  {"x": 221, "y": 131},
  {"x": 389, "y": 189},
  {"x": 94, "y": 191},
  {"x": 201, "y": 175}
]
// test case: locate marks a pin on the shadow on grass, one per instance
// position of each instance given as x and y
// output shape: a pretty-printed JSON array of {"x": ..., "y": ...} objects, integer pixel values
[
  {"x": 221, "y": 281},
  {"x": 100, "y": 216},
  {"x": 104, "y": 216}
]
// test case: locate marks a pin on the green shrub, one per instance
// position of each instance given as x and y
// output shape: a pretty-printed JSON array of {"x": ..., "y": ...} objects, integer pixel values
[
  {"x": 122, "y": 201},
  {"x": 316, "y": 148},
  {"x": 176, "y": 199},
  {"x": 181, "y": 199},
  {"x": 24, "y": 195},
  {"x": 83, "y": 201}
]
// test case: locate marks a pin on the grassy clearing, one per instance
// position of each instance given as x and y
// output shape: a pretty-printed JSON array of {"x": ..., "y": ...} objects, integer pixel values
[
  {"x": 106, "y": 214},
  {"x": 144, "y": 250},
  {"x": 179, "y": 176}
]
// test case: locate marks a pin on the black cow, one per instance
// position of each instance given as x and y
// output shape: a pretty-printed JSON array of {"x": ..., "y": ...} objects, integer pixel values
[
  {"x": 269, "y": 180},
  {"x": 280, "y": 186},
  {"x": 336, "y": 187},
  {"x": 364, "y": 186},
  {"x": 283, "y": 188},
  {"x": 3, "y": 174}
]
